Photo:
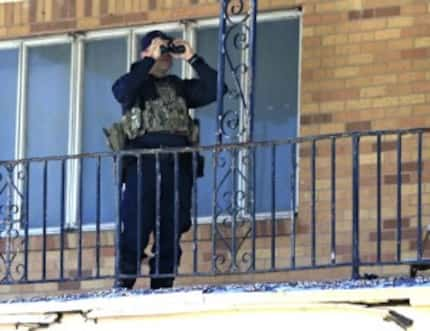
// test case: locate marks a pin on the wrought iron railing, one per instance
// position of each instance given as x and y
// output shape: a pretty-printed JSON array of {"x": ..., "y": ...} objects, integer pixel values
[{"x": 350, "y": 199}]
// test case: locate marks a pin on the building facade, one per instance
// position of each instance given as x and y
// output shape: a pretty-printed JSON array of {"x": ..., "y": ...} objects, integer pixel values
[{"x": 322, "y": 67}]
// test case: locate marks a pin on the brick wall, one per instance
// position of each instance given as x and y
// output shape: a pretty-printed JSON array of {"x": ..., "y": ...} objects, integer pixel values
[{"x": 365, "y": 66}]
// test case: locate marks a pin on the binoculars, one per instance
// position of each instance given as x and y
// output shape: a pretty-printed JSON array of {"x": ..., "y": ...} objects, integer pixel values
[{"x": 172, "y": 48}]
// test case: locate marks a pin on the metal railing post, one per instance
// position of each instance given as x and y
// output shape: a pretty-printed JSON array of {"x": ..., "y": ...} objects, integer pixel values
[{"x": 355, "y": 207}]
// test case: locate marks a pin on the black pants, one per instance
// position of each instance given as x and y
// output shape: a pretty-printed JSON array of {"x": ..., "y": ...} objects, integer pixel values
[{"x": 173, "y": 221}]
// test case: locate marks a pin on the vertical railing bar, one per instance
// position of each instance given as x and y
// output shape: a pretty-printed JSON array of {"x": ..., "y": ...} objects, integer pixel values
[
  {"x": 419, "y": 197},
  {"x": 379, "y": 198},
  {"x": 176, "y": 216},
  {"x": 214, "y": 210},
  {"x": 80, "y": 215},
  {"x": 399, "y": 198},
  {"x": 251, "y": 114},
  {"x": 234, "y": 205},
  {"x": 157, "y": 213},
  {"x": 8, "y": 277},
  {"x": 355, "y": 207},
  {"x": 252, "y": 66},
  {"x": 293, "y": 207},
  {"x": 194, "y": 213},
  {"x": 313, "y": 176},
  {"x": 221, "y": 69},
  {"x": 138, "y": 219},
  {"x": 273, "y": 208},
  {"x": 26, "y": 218},
  {"x": 45, "y": 215},
  {"x": 98, "y": 214},
  {"x": 63, "y": 216},
  {"x": 253, "y": 207},
  {"x": 333, "y": 200},
  {"x": 118, "y": 228}
]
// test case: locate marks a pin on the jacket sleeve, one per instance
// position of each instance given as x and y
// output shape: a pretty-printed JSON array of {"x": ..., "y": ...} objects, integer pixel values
[
  {"x": 126, "y": 88},
  {"x": 203, "y": 90}
]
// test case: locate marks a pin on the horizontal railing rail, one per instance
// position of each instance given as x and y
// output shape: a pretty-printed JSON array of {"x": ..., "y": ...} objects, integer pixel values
[{"x": 349, "y": 199}]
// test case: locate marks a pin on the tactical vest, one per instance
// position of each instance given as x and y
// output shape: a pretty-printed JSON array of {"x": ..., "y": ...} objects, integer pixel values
[{"x": 167, "y": 113}]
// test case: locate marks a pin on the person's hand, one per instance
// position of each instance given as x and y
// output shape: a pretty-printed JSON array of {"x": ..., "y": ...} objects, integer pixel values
[
  {"x": 153, "y": 49},
  {"x": 189, "y": 51}
]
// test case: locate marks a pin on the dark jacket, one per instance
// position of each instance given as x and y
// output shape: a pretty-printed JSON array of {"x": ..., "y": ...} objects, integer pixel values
[{"x": 138, "y": 82}]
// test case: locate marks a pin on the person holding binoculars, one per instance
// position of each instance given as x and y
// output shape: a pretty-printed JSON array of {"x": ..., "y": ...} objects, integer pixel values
[{"x": 155, "y": 107}]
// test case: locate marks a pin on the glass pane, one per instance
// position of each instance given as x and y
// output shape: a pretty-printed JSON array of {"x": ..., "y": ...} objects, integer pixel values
[
  {"x": 100, "y": 110},
  {"x": 177, "y": 64},
  {"x": 207, "y": 43},
  {"x": 276, "y": 107},
  {"x": 9, "y": 75},
  {"x": 47, "y": 126}
]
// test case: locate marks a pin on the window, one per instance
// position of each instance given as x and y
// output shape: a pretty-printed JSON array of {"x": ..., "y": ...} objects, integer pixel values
[
  {"x": 276, "y": 107},
  {"x": 8, "y": 97},
  {"x": 60, "y": 88},
  {"x": 100, "y": 109},
  {"x": 47, "y": 121},
  {"x": 275, "y": 114}
]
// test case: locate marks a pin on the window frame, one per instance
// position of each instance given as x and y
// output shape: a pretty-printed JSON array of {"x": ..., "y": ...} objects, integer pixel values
[{"x": 75, "y": 112}]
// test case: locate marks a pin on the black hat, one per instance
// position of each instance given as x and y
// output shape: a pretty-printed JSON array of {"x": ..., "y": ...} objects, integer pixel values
[{"x": 147, "y": 38}]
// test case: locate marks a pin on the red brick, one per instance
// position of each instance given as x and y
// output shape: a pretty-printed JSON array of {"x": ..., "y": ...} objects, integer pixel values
[
  {"x": 358, "y": 126},
  {"x": 152, "y": 4},
  {"x": 107, "y": 251},
  {"x": 409, "y": 166},
  {"x": 333, "y": 18},
  {"x": 392, "y": 179},
  {"x": 336, "y": 95},
  {"x": 387, "y": 11},
  {"x": 111, "y": 19},
  {"x": 311, "y": 20},
  {"x": 316, "y": 118},
  {"x": 88, "y": 8},
  {"x": 416, "y": 30},
  {"x": 415, "y": 53},
  {"x": 392, "y": 223},
  {"x": 135, "y": 17},
  {"x": 53, "y": 26},
  {"x": 73, "y": 285},
  {"x": 413, "y": 245},
  {"x": 386, "y": 146}
]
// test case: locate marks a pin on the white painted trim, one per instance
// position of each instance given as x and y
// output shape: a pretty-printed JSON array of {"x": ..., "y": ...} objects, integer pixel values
[
  {"x": 299, "y": 110},
  {"x": 61, "y": 39},
  {"x": 20, "y": 100},
  {"x": 75, "y": 131},
  {"x": 9, "y": 44},
  {"x": 261, "y": 17},
  {"x": 131, "y": 48},
  {"x": 106, "y": 34},
  {"x": 279, "y": 15},
  {"x": 111, "y": 226}
]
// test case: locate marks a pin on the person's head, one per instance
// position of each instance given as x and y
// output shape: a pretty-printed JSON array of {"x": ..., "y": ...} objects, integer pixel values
[{"x": 162, "y": 66}]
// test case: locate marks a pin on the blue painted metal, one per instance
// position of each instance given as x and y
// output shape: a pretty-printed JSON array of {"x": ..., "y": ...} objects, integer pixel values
[
  {"x": 242, "y": 261},
  {"x": 399, "y": 199},
  {"x": 139, "y": 213},
  {"x": 45, "y": 215},
  {"x": 333, "y": 201},
  {"x": 419, "y": 197},
  {"x": 293, "y": 194},
  {"x": 314, "y": 210},
  {"x": 378, "y": 197},
  {"x": 63, "y": 218},
  {"x": 98, "y": 220},
  {"x": 355, "y": 206},
  {"x": 117, "y": 162},
  {"x": 273, "y": 208}
]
